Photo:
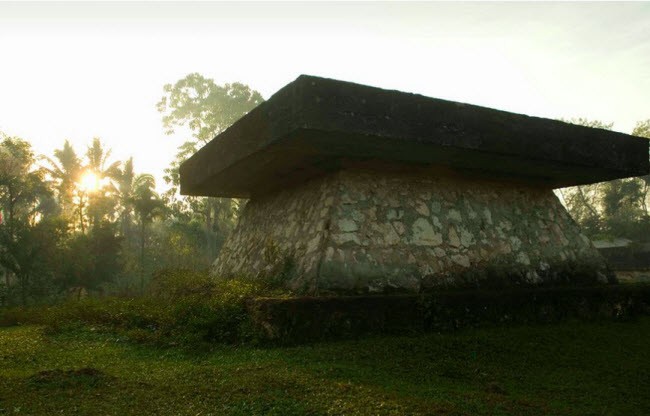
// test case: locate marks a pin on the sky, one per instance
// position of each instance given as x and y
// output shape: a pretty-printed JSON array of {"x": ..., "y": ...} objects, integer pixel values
[{"x": 80, "y": 70}]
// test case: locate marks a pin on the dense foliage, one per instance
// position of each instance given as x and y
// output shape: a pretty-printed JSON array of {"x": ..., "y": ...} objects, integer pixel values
[
  {"x": 614, "y": 209},
  {"x": 73, "y": 224},
  {"x": 182, "y": 307}
]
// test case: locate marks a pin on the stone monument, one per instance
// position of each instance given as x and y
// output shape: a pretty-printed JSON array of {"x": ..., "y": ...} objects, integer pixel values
[{"x": 356, "y": 189}]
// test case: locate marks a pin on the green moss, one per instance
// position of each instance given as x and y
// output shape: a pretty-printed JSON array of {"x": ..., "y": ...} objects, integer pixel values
[{"x": 281, "y": 266}]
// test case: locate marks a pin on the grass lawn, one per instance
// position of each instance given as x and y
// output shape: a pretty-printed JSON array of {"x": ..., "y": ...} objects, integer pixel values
[{"x": 563, "y": 369}]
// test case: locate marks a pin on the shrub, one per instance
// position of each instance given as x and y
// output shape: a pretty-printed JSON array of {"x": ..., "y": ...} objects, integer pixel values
[
  {"x": 180, "y": 283},
  {"x": 182, "y": 307}
]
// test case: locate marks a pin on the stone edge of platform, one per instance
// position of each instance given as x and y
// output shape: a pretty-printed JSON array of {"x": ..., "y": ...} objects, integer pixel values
[{"x": 308, "y": 319}]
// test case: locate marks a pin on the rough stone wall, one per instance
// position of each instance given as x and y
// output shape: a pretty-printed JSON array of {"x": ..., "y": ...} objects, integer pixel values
[
  {"x": 280, "y": 236},
  {"x": 358, "y": 231}
]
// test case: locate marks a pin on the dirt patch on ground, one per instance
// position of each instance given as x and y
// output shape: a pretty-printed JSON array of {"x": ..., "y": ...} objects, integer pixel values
[{"x": 87, "y": 376}]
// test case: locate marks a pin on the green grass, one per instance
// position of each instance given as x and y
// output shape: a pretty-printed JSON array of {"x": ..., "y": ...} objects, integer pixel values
[{"x": 564, "y": 369}]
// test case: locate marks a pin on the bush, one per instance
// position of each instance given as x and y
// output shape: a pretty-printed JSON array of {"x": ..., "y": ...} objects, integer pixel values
[
  {"x": 182, "y": 307},
  {"x": 181, "y": 283}
]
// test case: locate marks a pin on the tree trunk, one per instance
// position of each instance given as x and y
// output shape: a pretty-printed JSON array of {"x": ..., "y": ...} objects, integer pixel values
[
  {"x": 586, "y": 203},
  {"x": 644, "y": 199},
  {"x": 81, "y": 214},
  {"x": 142, "y": 229},
  {"x": 10, "y": 215},
  {"x": 209, "y": 224},
  {"x": 23, "y": 289}
]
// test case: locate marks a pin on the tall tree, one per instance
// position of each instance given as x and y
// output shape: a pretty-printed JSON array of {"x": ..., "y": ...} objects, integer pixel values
[
  {"x": 65, "y": 170},
  {"x": 204, "y": 106},
  {"x": 127, "y": 182},
  {"x": 98, "y": 156},
  {"x": 583, "y": 201},
  {"x": 101, "y": 200},
  {"x": 642, "y": 129},
  {"x": 25, "y": 197},
  {"x": 611, "y": 209},
  {"x": 147, "y": 205},
  {"x": 207, "y": 109}
]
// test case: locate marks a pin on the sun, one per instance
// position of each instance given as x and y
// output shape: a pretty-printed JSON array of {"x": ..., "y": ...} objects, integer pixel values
[{"x": 89, "y": 181}]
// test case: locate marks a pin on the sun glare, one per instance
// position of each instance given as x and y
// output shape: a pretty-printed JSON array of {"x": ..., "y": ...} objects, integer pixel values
[{"x": 89, "y": 182}]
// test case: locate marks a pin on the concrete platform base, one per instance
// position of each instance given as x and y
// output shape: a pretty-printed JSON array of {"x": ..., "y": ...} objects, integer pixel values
[{"x": 307, "y": 319}]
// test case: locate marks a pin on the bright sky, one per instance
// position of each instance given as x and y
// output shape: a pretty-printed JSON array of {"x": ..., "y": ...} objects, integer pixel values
[{"x": 80, "y": 70}]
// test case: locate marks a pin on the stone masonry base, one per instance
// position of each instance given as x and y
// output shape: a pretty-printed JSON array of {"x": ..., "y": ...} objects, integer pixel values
[{"x": 360, "y": 231}]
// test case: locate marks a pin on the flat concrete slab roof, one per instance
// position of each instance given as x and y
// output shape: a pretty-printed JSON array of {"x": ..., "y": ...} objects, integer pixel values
[{"x": 316, "y": 125}]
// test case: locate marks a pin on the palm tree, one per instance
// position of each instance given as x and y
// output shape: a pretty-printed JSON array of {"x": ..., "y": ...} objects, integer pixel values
[
  {"x": 65, "y": 170},
  {"x": 147, "y": 205},
  {"x": 97, "y": 157},
  {"x": 125, "y": 186},
  {"x": 127, "y": 183},
  {"x": 102, "y": 201}
]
